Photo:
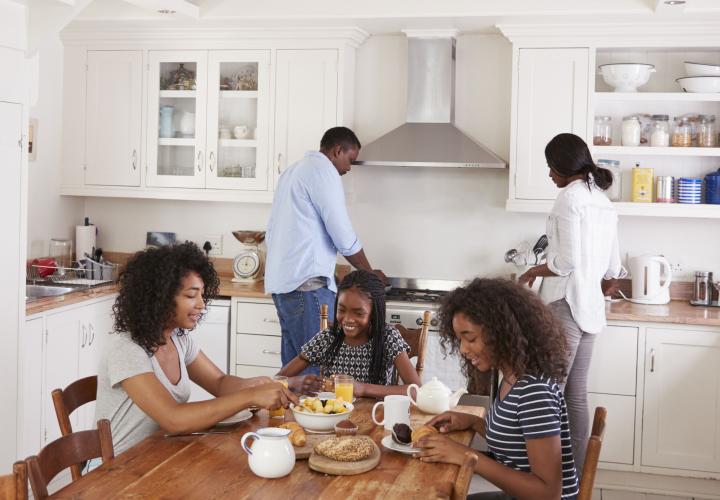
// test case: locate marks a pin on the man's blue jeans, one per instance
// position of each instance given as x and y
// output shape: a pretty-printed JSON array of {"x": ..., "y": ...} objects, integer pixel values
[{"x": 299, "y": 314}]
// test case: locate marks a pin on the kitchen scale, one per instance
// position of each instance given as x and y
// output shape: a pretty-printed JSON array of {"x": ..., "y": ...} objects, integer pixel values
[{"x": 249, "y": 264}]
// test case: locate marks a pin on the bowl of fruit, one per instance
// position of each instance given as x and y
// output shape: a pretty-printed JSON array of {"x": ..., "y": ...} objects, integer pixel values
[{"x": 321, "y": 415}]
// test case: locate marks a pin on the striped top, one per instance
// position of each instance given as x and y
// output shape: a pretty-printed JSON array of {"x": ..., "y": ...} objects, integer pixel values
[{"x": 534, "y": 408}]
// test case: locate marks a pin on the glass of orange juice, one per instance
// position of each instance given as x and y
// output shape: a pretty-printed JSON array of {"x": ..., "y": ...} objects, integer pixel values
[
  {"x": 280, "y": 412},
  {"x": 344, "y": 387}
]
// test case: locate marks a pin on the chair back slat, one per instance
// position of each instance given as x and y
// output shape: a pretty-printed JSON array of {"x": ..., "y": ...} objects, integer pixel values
[
  {"x": 15, "y": 486},
  {"x": 422, "y": 343},
  {"x": 323, "y": 317},
  {"x": 465, "y": 474},
  {"x": 68, "y": 450},
  {"x": 592, "y": 455}
]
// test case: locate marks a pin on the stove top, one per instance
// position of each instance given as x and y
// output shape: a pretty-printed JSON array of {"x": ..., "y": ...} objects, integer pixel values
[{"x": 420, "y": 290}]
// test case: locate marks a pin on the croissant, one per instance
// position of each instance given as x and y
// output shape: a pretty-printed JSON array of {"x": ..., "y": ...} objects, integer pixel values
[
  {"x": 297, "y": 434},
  {"x": 421, "y": 432}
]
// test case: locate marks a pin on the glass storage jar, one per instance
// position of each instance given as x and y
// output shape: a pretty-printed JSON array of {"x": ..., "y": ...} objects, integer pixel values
[
  {"x": 660, "y": 131},
  {"x": 681, "y": 133},
  {"x": 631, "y": 131},
  {"x": 602, "y": 131},
  {"x": 614, "y": 192},
  {"x": 707, "y": 132}
]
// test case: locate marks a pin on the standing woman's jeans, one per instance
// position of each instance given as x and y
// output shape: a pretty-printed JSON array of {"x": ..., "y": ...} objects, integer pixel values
[
  {"x": 299, "y": 314},
  {"x": 580, "y": 347}
]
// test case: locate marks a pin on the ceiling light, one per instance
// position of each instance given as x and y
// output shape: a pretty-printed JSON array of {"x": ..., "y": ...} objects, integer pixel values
[
  {"x": 674, "y": 2},
  {"x": 169, "y": 11}
]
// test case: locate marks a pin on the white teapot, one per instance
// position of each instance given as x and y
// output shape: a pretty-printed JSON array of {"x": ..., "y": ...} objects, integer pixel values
[
  {"x": 434, "y": 396},
  {"x": 271, "y": 454}
]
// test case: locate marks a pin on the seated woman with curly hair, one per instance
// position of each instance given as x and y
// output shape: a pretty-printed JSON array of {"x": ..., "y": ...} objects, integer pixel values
[
  {"x": 498, "y": 324},
  {"x": 144, "y": 380}
]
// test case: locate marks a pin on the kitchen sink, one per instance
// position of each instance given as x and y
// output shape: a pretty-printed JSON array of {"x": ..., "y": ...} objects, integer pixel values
[{"x": 40, "y": 291}]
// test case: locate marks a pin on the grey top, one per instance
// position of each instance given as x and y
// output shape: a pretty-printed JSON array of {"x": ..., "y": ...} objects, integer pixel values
[{"x": 124, "y": 359}]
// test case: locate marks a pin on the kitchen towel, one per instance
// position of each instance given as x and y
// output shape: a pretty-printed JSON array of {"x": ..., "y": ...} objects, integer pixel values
[{"x": 84, "y": 240}]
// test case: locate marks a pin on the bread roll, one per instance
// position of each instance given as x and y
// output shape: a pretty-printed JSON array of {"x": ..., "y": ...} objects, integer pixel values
[
  {"x": 297, "y": 436},
  {"x": 423, "y": 431}
]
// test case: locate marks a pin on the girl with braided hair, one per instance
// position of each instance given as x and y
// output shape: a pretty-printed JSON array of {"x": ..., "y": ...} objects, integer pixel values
[{"x": 360, "y": 343}]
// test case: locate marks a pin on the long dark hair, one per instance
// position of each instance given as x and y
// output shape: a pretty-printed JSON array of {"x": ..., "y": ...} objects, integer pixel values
[
  {"x": 374, "y": 289},
  {"x": 568, "y": 155},
  {"x": 148, "y": 285},
  {"x": 519, "y": 331}
]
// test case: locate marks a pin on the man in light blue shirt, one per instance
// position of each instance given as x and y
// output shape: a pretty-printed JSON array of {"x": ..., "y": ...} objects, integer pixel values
[{"x": 308, "y": 226}]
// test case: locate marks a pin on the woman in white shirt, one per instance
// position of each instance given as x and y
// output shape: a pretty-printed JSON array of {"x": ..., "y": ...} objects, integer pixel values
[{"x": 583, "y": 261}]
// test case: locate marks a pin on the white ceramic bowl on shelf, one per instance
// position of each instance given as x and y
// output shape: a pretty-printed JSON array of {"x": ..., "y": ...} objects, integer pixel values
[
  {"x": 626, "y": 77},
  {"x": 699, "y": 83},
  {"x": 701, "y": 69}
]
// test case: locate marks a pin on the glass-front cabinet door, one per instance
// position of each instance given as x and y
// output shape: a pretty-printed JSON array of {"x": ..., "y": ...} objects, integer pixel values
[
  {"x": 177, "y": 96},
  {"x": 237, "y": 119}
]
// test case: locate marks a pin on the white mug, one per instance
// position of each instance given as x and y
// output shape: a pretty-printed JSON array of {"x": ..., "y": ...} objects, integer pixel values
[
  {"x": 240, "y": 131},
  {"x": 396, "y": 409}
]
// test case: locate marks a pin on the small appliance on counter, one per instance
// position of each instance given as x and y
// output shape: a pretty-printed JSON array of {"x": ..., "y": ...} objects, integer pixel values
[
  {"x": 651, "y": 278},
  {"x": 249, "y": 264},
  {"x": 703, "y": 290}
]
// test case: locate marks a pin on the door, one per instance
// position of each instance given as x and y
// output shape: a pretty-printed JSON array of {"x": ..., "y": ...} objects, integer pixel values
[
  {"x": 98, "y": 322},
  {"x": 114, "y": 117},
  {"x": 681, "y": 417},
  {"x": 177, "y": 103},
  {"x": 306, "y": 93},
  {"x": 552, "y": 97},
  {"x": 238, "y": 121},
  {"x": 213, "y": 337},
  {"x": 30, "y": 387},
  {"x": 62, "y": 334}
]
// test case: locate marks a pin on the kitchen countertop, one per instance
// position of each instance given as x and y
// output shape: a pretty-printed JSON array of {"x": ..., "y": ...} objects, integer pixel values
[{"x": 677, "y": 311}]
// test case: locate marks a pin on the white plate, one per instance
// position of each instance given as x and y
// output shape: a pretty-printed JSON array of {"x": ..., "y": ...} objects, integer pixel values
[
  {"x": 240, "y": 416},
  {"x": 407, "y": 449}
]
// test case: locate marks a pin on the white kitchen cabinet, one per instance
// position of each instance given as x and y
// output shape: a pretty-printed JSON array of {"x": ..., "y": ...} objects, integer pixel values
[
  {"x": 619, "y": 441},
  {"x": 30, "y": 387},
  {"x": 255, "y": 338},
  {"x": 113, "y": 117},
  {"x": 550, "y": 90},
  {"x": 306, "y": 102},
  {"x": 212, "y": 335},
  {"x": 681, "y": 415},
  {"x": 616, "y": 347}
]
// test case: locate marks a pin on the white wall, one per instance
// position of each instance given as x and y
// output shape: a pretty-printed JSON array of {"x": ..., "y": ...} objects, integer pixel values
[
  {"x": 49, "y": 214},
  {"x": 435, "y": 223}
]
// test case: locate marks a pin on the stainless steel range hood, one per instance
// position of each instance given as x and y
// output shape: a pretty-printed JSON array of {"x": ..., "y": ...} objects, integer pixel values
[{"x": 429, "y": 138}]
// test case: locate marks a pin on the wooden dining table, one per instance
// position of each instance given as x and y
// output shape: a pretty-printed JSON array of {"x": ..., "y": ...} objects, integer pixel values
[{"x": 215, "y": 466}]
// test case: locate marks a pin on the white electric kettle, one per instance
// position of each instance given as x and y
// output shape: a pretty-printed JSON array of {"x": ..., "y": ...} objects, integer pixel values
[{"x": 651, "y": 277}]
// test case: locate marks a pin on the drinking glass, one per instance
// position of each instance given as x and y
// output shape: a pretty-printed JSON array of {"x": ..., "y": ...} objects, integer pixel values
[
  {"x": 61, "y": 251},
  {"x": 344, "y": 387},
  {"x": 280, "y": 412}
]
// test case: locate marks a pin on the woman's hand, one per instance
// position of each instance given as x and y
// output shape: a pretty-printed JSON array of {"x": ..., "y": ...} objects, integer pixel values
[
  {"x": 454, "y": 421},
  {"x": 437, "y": 448},
  {"x": 305, "y": 384},
  {"x": 359, "y": 390},
  {"x": 528, "y": 278},
  {"x": 273, "y": 396}
]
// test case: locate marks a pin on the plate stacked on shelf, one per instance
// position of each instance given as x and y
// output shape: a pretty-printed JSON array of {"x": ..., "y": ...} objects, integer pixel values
[
  {"x": 689, "y": 190},
  {"x": 700, "y": 77}
]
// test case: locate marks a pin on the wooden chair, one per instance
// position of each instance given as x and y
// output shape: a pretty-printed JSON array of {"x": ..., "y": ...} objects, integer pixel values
[
  {"x": 66, "y": 401},
  {"x": 417, "y": 340},
  {"x": 66, "y": 451},
  {"x": 323, "y": 317},
  {"x": 465, "y": 474},
  {"x": 593, "y": 454},
  {"x": 15, "y": 486}
]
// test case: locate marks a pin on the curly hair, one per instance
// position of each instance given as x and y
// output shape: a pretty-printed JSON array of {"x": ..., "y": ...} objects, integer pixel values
[
  {"x": 519, "y": 331},
  {"x": 148, "y": 286},
  {"x": 374, "y": 289}
]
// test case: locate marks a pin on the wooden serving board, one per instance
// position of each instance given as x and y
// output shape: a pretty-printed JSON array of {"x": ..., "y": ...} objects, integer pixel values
[
  {"x": 328, "y": 466},
  {"x": 304, "y": 452}
]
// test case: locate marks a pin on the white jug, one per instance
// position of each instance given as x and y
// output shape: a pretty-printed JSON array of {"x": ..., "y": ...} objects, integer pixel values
[
  {"x": 434, "y": 396},
  {"x": 271, "y": 455},
  {"x": 651, "y": 278}
]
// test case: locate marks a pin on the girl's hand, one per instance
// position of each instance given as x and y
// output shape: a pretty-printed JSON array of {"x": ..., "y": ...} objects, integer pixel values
[
  {"x": 527, "y": 278},
  {"x": 305, "y": 384},
  {"x": 453, "y": 421},
  {"x": 437, "y": 448}
]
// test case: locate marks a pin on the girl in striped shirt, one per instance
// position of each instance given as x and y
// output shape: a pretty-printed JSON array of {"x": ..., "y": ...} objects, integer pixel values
[{"x": 497, "y": 324}]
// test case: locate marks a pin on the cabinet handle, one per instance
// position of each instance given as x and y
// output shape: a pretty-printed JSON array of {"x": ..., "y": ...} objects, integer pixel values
[
  {"x": 199, "y": 159},
  {"x": 652, "y": 360},
  {"x": 84, "y": 336},
  {"x": 279, "y": 163},
  {"x": 134, "y": 159},
  {"x": 270, "y": 320},
  {"x": 210, "y": 161},
  {"x": 266, "y": 351},
  {"x": 92, "y": 333}
]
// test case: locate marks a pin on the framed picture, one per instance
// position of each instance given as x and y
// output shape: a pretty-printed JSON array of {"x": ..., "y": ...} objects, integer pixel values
[
  {"x": 159, "y": 238},
  {"x": 32, "y": 139}
]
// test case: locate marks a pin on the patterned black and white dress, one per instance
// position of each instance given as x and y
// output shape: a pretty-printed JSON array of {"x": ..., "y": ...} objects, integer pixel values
[{"x": 354, "y": 360}]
